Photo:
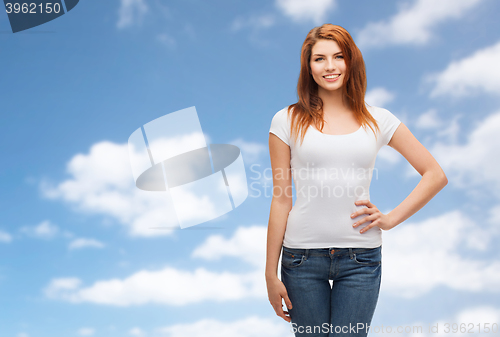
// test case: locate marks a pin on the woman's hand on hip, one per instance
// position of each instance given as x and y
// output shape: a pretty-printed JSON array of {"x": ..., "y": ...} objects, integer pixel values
[
  {"x": 276, "y": 291},
  {"x": 377, "y": 218}
]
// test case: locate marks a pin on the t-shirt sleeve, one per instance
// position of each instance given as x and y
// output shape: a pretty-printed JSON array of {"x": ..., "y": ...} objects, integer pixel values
[
  {"x": 280, "y": 126},
  {"x": 388, "y": 123}
]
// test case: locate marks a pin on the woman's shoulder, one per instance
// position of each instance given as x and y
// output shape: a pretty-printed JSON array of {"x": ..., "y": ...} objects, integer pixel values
[
  {"x": 373, "y": 109},
  {"x": 280, "y": 125},
  {"x": 379, "y": 113},
  {"x": 282, "y": 114},
  {"x": 285, "y": 110}
]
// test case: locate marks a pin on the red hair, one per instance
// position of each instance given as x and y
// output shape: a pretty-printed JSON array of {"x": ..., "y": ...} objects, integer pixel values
[{"x": 309, "y": 108}]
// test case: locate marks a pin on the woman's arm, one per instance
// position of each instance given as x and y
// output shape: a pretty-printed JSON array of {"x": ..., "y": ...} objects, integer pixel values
[
  {"x": 433, "y": 180},
  {"x": 281, "y": 205},
  {"x": 433, "y": 177}
]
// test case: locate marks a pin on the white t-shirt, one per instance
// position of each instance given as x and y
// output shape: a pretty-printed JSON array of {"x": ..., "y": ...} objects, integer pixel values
[{"x": 330, "y": 173}]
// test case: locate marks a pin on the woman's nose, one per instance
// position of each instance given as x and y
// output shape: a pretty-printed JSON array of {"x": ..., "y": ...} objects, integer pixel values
[{"x": 330, "y": 65}]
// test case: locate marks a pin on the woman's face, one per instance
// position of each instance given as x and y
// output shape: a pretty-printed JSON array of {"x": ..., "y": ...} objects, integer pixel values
[{"x": 327, "y": 60}]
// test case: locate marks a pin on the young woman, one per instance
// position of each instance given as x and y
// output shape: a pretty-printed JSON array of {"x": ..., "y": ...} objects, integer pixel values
[{"x": 333, "y": 232}]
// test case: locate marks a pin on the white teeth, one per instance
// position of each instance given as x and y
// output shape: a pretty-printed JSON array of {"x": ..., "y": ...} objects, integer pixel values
[{"x": 332, "y": 76}]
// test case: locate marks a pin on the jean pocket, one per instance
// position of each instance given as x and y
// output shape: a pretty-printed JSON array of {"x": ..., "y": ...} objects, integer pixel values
[
  {"x": 292, "y": 259},
  {"x": 369, "y": 257}
]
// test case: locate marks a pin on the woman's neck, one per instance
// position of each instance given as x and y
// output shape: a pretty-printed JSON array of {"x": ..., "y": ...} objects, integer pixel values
[{"x": 333, "y": 103}]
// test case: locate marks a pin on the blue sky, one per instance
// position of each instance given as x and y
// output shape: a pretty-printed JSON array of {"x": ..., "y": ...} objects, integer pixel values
[{"x": 76, "y": 261}]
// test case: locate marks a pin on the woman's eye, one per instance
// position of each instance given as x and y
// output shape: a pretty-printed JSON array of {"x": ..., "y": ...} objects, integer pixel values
[{"x": 320, "y": 58}]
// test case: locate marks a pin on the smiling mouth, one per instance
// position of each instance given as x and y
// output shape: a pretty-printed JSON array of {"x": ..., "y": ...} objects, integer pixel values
[{"x": 331, "y": 77}]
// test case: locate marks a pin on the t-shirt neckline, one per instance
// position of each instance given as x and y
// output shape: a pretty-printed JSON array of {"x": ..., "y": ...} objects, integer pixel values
[{"x": 327, "y": 134}]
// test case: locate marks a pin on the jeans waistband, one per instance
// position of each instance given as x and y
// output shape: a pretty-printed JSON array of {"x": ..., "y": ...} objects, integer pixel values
[{"x": 328, "y": 251}]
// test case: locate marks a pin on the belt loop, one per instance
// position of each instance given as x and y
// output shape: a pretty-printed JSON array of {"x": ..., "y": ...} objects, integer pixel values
[
  {"x": 306, "y": 253},
  {"x": 351, "y": 253}
]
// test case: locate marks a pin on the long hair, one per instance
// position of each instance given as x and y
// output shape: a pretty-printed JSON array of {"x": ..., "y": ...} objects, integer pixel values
[{"x": 309, "y": 109}]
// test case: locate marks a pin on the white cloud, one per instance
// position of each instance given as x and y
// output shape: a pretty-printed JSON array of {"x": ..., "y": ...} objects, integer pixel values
[
  {"x": 61, "y": 286},
  {"x": 170, "y": 286},
  {"x": 379, "y": 97},
  {"x": 389, "y": 155},
  {"x": 86, "y": 332},
  {"x": 480, "y": 69},
  {"x": 247, "y": 244},
  {"x": 421, "y": 256},
  {"x": 492, "y": 219},
  {"x": 451, "y": 131},
  {"x": 429, "y": 120},
  {"x": 446, "y": 129},
  {"x": 413, "y": 24},
  {"x": 302, "y": 11},
  {"x": 478, "y": 315},
  {"x": 22, "y": 334},
  {"x": 44, "y": 230},
  {"x": 84, "y": 243},
  {"x": 101, "y": 182},
  {"x": 252, "y": 326},
  {"x": 5, "y": 237},
  {"x": 467, "y": 322},
  {"x": 474, "y": 163},
  {"x": 138, "y": 332},
  {"x": 251, "y": 151},
  {"x": 131, "y": 12}
]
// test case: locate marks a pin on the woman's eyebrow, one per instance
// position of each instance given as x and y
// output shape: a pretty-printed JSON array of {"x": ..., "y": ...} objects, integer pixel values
[{"x": 324, "y": 55}]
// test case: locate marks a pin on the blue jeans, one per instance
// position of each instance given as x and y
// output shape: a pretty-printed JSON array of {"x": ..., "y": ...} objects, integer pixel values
[{"x": 347, "y": 308}]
